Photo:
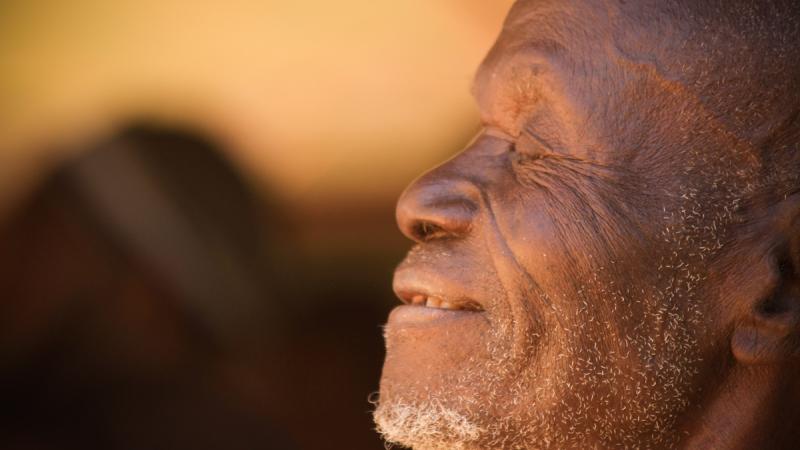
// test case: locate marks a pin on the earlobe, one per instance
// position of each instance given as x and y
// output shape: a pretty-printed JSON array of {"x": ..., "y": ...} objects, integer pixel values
[{"x": 769, "y": 332}]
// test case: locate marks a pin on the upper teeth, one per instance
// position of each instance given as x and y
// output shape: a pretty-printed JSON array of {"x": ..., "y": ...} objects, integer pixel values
[{"x": 432, "y": 302}]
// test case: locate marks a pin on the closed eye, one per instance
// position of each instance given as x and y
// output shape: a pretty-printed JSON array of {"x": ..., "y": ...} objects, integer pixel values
[{"x": 530, "y": 146}]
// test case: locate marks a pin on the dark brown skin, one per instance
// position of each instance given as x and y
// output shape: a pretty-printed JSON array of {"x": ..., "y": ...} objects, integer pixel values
[{"x": 614, "y": 261}]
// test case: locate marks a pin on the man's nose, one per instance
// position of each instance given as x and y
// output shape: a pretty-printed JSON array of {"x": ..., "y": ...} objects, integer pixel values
[{"x": 440, "y": 204}]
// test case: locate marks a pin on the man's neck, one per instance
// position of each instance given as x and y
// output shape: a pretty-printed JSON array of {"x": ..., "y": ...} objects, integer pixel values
[{"x": 756, "y": 407}]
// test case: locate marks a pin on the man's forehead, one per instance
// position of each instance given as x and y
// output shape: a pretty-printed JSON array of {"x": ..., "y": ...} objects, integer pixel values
[
  {"x": 531, "y": 56},
  {"x": 580, "y": 30},
  {"x": 525, "y": 11},
  {"x": 520, "y": 59},
  {"x": 568, "y": 48},
  {"x": 537, "y": 35},
  {"x": 515, "y": 76}
]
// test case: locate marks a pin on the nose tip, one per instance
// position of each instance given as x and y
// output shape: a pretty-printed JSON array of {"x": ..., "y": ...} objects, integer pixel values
[{"x": 436, "y": 209}]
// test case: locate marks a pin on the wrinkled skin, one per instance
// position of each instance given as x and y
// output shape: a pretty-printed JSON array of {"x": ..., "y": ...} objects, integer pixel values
[{"x": 612, "y": 262}]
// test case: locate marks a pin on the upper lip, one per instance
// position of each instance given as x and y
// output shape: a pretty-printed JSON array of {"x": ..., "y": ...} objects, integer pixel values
[{"x": 424, "y": 287}]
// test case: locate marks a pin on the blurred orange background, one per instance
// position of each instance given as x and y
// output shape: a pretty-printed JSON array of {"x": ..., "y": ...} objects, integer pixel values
[
  {"x": 345, "y": 99},
  {"x": 326, "y": 110}
]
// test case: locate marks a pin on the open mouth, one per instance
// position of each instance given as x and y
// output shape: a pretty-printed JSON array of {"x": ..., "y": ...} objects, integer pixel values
[
  {"x": 431, "y": 297},
  {"x": 427, "y": 310},
  {"x": 433, "y": 301}
]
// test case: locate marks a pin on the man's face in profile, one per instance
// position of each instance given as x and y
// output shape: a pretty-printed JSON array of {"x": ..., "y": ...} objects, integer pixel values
[{"x": 563, "y": 284}]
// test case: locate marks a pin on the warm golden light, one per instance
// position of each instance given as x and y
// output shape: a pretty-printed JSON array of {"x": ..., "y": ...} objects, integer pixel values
[{"x": 323, "y": 98}]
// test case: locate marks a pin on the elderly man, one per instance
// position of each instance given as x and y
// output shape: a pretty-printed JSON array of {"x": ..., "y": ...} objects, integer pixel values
[{"x": 614, "y": 261}]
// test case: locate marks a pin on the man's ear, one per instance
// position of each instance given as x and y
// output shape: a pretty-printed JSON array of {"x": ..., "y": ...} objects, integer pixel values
[{"x": 767, "y": 329}]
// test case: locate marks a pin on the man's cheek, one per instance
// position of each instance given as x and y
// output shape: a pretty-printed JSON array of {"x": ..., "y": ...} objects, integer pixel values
[{"x": 537, "y": 240}]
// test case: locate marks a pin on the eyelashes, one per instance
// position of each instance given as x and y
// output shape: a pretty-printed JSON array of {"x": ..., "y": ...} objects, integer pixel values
[{"x": 525, "y": 158}]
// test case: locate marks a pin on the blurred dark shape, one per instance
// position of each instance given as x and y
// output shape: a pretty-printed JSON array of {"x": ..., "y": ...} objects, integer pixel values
[
  {"x": 150, "y": 300},
  {"x": 132, "y": 283}
]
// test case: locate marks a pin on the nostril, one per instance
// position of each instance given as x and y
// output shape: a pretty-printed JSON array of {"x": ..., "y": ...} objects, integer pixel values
[
  {"x": 440, "y": 219},
  {"x": 426, "y": 231},
  {"x": 437, "y": 207}
]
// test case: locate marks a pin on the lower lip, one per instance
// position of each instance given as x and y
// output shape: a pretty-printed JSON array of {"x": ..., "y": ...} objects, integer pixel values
[{"x": 408, "y": 315}]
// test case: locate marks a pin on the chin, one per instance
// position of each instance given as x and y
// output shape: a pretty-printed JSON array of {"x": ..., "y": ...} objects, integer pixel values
[
  {"x": 427, "y": 424},
  {"x": 449, "y": 379}
]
